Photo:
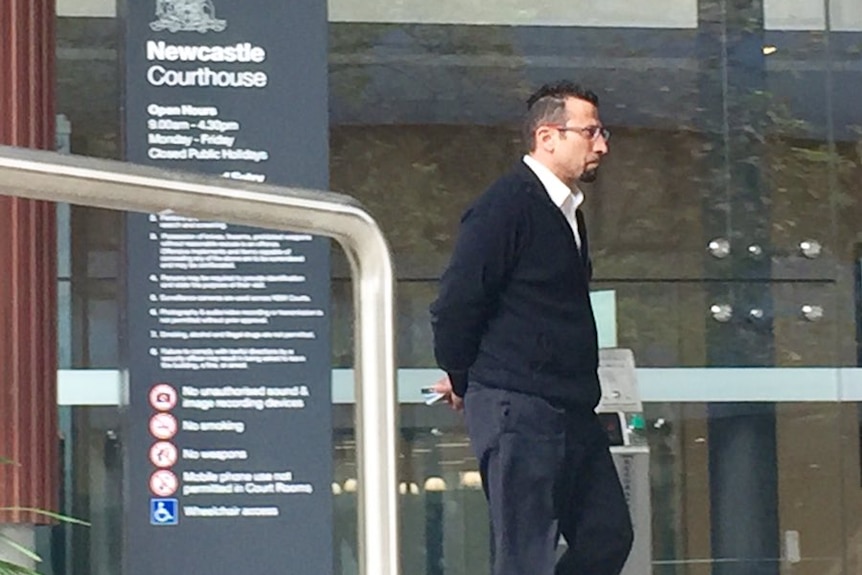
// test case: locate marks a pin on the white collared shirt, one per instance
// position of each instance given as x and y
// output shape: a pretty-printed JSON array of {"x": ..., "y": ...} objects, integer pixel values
[{"x": 560, "y": 193}]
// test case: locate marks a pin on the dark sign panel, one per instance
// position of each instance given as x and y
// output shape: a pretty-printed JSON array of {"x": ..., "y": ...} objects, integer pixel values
[{"x": 228, "y": 448}]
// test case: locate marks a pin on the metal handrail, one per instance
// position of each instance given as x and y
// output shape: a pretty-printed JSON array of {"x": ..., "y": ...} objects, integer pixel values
[{"x": 120, "y": 186}]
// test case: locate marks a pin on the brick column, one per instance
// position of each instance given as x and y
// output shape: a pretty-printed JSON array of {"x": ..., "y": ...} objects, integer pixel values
[{"x": 28, "y": 276}]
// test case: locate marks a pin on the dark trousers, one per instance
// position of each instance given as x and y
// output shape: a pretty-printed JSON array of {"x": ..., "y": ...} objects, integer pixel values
[{"x": 547, "y": 470}]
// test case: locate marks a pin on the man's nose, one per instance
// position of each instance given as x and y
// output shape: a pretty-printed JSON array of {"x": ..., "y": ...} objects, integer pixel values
[{"x": 600, "y": 146}]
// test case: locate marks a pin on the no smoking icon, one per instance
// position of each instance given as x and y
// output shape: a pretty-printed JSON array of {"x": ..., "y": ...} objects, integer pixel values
[
  {"x": 164, "y": 483},
  {"x": 163, "y": 454},
  {"x": 163, "y": 397},
  {"x": 163, "y": 426}
]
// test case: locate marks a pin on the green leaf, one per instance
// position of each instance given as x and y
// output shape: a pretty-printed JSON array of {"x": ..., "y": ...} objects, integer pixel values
[
  {"x": 19, "y": 548},
  {"x": 7, "y": 568},
  {"x": 51, "y": 514}
]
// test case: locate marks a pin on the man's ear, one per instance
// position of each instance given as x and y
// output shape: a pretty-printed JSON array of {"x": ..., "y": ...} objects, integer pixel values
[{"x": 545, "y": 138}]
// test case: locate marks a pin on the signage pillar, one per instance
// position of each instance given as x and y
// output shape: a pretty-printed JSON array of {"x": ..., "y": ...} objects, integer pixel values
[{"x": 228, "y": 447}]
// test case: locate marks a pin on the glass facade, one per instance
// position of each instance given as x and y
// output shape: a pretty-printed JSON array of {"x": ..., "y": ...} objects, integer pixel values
[{"x": 725, "y": 223}]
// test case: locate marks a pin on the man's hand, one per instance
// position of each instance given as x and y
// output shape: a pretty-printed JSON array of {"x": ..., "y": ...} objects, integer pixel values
[{"x": 444, "y": 386}]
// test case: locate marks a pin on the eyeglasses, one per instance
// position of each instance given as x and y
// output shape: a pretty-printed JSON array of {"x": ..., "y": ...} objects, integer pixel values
[{"x": 591, "y": 132}]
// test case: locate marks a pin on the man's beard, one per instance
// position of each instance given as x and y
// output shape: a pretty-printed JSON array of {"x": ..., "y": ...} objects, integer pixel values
[{"x": 589, "y": 176}]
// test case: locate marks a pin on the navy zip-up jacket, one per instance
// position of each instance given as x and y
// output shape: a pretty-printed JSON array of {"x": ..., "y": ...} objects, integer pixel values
[{"x": 514, "y": 306}]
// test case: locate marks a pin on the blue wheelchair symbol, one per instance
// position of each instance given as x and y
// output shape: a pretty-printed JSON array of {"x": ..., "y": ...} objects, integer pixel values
[{"x": 164, "y": 512}]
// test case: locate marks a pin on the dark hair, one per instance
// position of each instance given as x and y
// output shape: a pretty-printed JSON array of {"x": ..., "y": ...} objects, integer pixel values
[{"x": 547, "y": 105}]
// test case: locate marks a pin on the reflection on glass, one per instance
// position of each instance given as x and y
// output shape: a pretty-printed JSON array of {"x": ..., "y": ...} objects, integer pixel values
[
  {"x": 443, "y": 513},
  {"x": 413, "y": 343}
]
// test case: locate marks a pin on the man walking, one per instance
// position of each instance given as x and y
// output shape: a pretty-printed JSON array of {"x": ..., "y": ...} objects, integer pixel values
[{"x": 515, "y": 333}]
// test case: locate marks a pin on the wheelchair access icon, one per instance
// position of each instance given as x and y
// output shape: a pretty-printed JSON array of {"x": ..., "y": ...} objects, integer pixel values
[{"x": 164, "y": 512}]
